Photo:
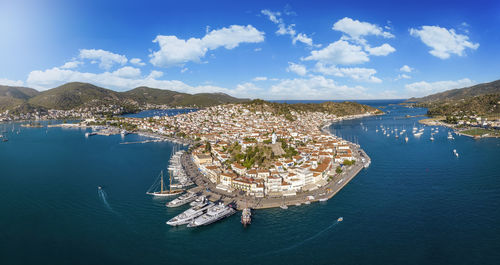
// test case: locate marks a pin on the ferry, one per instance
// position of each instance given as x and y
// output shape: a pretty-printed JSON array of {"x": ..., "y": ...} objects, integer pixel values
[
  {"x": 246, "y": 216},
  {"x": 181, "y": 200},
  {"x": 213, "y": 215},
  {"x": 190, "y": 214}
]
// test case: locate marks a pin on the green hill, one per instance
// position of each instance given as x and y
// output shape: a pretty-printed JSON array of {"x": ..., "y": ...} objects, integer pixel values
[
  {"x": 76, "y": 94},
  {"x": 337, "y": 108},
  {"x": 13, "y": 97},
  {"x": 462, "y": 93},
  {"x": 482, "y": 99}
]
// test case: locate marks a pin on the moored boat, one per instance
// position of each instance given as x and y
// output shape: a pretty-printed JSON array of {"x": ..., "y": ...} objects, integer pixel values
[
  {"x": 190, "y": 214},
  {"x": 183, "y": 199},
  {"x": 213, "y": 215},
  {"x": 246, "y": 216}
]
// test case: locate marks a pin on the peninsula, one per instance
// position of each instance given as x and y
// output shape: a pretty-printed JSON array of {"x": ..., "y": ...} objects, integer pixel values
[{"x": 262, "y": 154}]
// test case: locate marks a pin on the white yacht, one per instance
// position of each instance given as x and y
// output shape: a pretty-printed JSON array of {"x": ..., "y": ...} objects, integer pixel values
[
  {"x": 190, "y": 214},
  {"x": 183, "y": 199},
  {"x": 200, "y": 200},
  {"x": 213, "y": 214}
]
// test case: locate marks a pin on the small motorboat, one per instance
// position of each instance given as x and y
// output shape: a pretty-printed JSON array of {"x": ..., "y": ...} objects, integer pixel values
[
  {"x": 340, "y": 219},
  {"x": 284, "y": 207}
]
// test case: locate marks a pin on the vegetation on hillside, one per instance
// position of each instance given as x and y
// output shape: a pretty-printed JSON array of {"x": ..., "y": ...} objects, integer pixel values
[{"x": 76, "y": 95}]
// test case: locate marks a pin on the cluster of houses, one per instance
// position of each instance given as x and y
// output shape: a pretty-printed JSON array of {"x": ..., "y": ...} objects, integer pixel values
[
  {"x": 318, "y": 153},
  {"x": 53, "y": 114}
]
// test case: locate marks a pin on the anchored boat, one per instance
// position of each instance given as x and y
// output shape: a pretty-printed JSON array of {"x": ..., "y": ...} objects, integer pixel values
[{"x": 246, "y": 216}]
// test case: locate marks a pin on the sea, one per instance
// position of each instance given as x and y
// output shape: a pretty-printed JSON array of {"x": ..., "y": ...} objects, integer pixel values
[{"x": 417, "y": 203}]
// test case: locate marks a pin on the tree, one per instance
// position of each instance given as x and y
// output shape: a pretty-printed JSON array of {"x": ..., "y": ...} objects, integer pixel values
[{"x": 338, "y": 170}]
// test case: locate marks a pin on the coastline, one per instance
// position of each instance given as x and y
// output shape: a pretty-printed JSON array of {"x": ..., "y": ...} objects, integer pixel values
[
  {"x": 437, "y": 121},
  {"x": 321, "y": 194}
]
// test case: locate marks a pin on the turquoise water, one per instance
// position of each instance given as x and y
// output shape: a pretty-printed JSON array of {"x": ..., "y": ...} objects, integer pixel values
[{"x": 416, "y": 204}]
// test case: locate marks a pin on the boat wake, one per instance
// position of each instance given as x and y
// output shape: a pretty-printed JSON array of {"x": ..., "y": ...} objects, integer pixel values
[
  {"x": 303, "y": 241},
  {"x": 104, "y": 198}
]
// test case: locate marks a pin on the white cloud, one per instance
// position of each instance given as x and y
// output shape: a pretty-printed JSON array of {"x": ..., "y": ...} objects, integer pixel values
[
  {"x": 297, "y": 69},
  {"x": 183, "y": 70},
  {"x": 406, "y": 68},
  {"x": 315, "y": 87},
  {"x": 71, "y": 64},
  {"x": 339, "y": 52},
  {"x": 355, "y": 73},
  {"x": 106, "y": 59},
  {"x": 137, "y": 61},
  {"x": 128, "y": 71},
  {"x": 284, "y": 29},
  {"x": 403, "y": 76},
  {"x": 55, "y": 76},
  {"x": 260, "y": 78},
  {"x": 175, "y": 51},
  {"x": 257, "y": 49},
  {"x": 424, "y": 88},
  {"x": 382, "y": 50},
  {"x": 357, "y": 29},
  {"x": 8, "y": 82},
  {"x": 443, "y": 42}
]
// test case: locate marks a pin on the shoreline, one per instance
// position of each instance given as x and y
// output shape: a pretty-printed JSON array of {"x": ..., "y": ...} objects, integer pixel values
[
  {"x": 437, "y": 121},
  {"x": 320, "y": 194}
]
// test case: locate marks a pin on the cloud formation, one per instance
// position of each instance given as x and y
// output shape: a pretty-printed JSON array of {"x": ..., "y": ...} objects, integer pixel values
[
  {"x": 106, "y": 59},
  {"x": 175, "y": 51},
  {"x": 423, "y": 88},
  {"x": 357, "y": 30},
  {"x": 355, "y": 73},
  {"x": 284, "y": 29},
  {"x": 298, "y": 69},
  {"x": 443, "y": 42},
  {"x": 137, "y": 61},
  {"x": 339, "y": 52}
]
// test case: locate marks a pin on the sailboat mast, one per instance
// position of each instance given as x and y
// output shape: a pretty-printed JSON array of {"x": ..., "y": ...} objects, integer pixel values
[
  {"x": 170, "y": 186},
  {"x": 161, "y": 184}
]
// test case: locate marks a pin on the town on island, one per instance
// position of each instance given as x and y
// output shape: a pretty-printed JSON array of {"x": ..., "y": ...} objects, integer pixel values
[{"x": 243, "y": 156}]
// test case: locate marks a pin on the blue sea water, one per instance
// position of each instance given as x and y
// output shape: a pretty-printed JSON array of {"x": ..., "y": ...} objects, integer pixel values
[{"x": 416, "y": 204}]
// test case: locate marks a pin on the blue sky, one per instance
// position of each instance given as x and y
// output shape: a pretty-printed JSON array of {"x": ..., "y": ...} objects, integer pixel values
[{"x": 258, "y": 49}]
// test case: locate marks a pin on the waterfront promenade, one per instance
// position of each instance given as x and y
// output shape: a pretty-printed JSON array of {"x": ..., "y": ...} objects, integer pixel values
[{"x": 334, "y": 185}]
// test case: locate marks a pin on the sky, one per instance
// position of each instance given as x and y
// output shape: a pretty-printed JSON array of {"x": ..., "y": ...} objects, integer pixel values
[{"x": 329, "y": 50}]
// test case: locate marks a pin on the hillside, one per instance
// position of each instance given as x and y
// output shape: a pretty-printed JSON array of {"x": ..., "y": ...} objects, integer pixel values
[
  {"x": 76, "y": 94},
  {"x": 462, "y": 93},
  {"x": 337, "y": 108},
  {"x": 12, "y": 97},
  {"x": 72, "y": 95},
  {"x": 481, "y": 99}
]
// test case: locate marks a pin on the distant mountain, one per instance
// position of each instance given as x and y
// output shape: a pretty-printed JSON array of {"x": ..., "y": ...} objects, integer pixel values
[
  {"x": 482, "y": 99},
  {"x": 72, "y": 95},
  {"x": 76, "y": 94},
  {"x": 12, "y": 97},
  {"x": 462, "y": 93}
]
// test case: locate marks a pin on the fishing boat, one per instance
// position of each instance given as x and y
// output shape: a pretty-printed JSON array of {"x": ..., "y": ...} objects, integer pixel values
[
  {"x": 246, "y": 216},
  {"x": 163, "y": 192}
]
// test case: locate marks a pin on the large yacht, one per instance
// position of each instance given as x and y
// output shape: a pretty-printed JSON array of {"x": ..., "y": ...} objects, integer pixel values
[
  {"x": 183, "y": 199},
  {"x": 213, "y": 214},
  {"x": 190, "y": 214}
]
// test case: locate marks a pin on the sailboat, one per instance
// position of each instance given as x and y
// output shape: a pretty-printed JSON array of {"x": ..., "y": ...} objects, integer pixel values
[{"x": 163, "y": 192}]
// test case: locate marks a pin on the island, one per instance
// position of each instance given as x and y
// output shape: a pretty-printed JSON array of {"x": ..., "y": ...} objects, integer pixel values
[{"x": 262, "y": 154}]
